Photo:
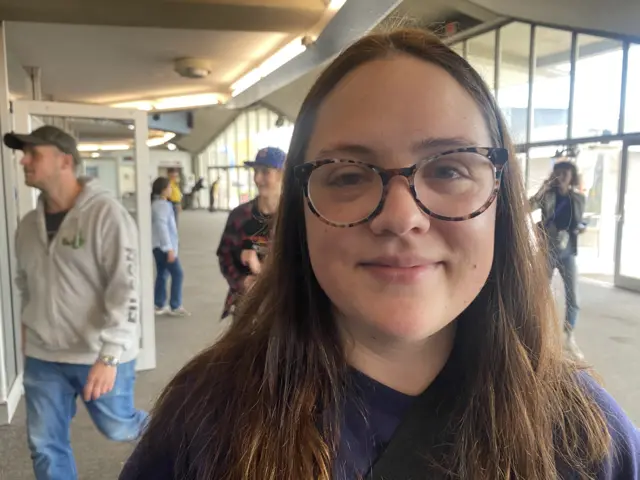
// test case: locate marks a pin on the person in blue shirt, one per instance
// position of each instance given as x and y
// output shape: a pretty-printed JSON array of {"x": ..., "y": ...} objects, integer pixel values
[
  {"x": 402, "y": 326},
  {"x": 164, "y": 236}
]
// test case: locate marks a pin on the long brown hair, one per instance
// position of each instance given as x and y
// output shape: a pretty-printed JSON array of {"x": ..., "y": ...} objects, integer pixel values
[{"x": 263, "y": 402}]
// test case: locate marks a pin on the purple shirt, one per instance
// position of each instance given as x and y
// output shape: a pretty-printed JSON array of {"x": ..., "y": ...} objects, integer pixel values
[
  {"x": 369, "y": 424},
  {"x": 370, "y": 418}
]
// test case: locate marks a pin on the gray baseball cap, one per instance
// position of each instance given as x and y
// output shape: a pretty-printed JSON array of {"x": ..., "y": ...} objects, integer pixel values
[{"x": 47, "y": 135}]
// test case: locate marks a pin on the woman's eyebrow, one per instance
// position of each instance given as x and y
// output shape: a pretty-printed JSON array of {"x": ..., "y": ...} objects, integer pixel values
[
  {"x": 426, "y": 144},
  {"x": 441, "y": 143},
  {"x": 346, "y": 148}
]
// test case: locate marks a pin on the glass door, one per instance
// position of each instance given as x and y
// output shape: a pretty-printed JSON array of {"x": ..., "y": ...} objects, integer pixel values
[
  {"x": 627, "y": 267},
  {"x": 113, "y": 144}
]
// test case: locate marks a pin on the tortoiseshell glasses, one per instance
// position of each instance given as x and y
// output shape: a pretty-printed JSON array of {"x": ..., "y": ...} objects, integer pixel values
[{"x": 455, "y": 185}]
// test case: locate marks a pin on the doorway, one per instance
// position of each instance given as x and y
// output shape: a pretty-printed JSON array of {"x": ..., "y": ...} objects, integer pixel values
[
  {"x": 627, "y": 262},
  {"x": 101, "y": 131},
  {"x": 106, "y": 133}
]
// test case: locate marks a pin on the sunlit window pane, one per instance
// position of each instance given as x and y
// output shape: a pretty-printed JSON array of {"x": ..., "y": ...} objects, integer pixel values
[
  {"x": 513, "y": 89},
  {"x": 632, "y": 104},
  {"x": 481, "y": 56},
  {"x": 597, "y": 89},
  {"x": 551, "y": 84}
]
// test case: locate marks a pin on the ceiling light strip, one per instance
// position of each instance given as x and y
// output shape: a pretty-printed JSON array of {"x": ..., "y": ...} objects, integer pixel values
[
  {"x": 110, "y": 147},
  {"x": 174, "y": 103},
  {"x": 270, "y": 65}
]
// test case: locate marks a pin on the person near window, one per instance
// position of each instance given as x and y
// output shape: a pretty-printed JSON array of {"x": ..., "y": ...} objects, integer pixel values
[
  {"x": 402, "y": 325},
  {"x": 245, "y": 239},
  {"x": 176, "y": 191},
  {"x": 213, "y": 194},
  {"x": 195, "y": 193},
  {"x": 77, "y": 256},
  {"x": 164, "y": 236},
  {"x": 562, "y": 206}
]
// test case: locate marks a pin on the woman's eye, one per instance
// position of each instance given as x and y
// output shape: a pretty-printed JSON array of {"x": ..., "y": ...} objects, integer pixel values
[
  {"x": 346, "y": 179},
  {"x": 345, "y": 176},
  {"x": 441, "y": 171},
  {"x": 446, "y": 172}
]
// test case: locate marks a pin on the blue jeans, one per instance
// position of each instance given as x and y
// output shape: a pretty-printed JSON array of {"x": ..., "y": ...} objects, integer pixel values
[
  {"x": 51, "y": 390},
  {"x": 163, "y": 269},
  {"x": 566, "y": 265}
]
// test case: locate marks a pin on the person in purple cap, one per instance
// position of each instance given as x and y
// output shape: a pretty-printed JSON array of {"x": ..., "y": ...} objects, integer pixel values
[{"x": 244, "y": 242}]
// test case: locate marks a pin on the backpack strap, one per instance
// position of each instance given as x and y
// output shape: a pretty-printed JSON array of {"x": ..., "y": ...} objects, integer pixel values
[{"x": 421, "y": 438}]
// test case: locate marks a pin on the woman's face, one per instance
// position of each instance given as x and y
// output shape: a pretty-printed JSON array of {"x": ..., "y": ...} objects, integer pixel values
[
  {"x": 563, "y": 177},
  {"x": 166, "y": 193},
  {"x": 403, "y": 275}
]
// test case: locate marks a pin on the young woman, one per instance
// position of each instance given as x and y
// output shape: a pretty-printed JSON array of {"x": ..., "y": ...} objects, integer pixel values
[
  {"x": 562, "y": 207},
  {"x": 164, "y": 236},
  {"x": 244, "y": 241},
  {"x": 402, "y": 326}
]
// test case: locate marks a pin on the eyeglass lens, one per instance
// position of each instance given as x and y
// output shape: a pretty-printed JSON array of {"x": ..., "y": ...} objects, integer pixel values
[{"x": 452, "y": 185}]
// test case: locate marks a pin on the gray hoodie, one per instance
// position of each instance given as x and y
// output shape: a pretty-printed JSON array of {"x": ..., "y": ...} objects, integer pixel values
[{"x": 80, "y": 293}]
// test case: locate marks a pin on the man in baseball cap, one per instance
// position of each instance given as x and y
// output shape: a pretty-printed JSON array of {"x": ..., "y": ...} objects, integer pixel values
[
  {"x": 81, "y": 335},
  {"x": 245, "y": 239},
  {"x": 45, "y": 136}
]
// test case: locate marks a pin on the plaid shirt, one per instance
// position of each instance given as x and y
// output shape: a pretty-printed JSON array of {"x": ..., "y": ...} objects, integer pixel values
[{"x": 246, "y": 228}]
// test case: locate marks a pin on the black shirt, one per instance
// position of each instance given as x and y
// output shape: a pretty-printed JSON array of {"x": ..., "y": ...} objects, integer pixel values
[
  {"x": 53, "y": 222},
  {"x": 563, "y": 212},
  {"x": 255, "y": 232}
]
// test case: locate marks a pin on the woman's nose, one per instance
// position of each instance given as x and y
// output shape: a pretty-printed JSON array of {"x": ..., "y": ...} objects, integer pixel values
[{"x": 400, "y": 213}]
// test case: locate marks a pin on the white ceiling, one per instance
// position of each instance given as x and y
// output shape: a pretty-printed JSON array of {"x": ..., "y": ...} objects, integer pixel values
[
  {"x": 236, "y": 15},
  {"x": 97, "y": 64}
]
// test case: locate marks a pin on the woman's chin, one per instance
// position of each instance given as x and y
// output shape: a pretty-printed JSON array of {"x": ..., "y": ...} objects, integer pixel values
[{"x": 398, "y": 323}]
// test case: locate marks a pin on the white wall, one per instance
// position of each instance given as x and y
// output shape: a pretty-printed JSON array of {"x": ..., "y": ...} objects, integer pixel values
[
  {"x": 157, "y": 159},
  {"x": 167, "y": 158},
  {"x": 105, "y": 170}
]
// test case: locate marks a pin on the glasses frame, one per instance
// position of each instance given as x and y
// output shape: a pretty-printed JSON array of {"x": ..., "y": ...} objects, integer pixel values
[{"x": 497, "y": 156}]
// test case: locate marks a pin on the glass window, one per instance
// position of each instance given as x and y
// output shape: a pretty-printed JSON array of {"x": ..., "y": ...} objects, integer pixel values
[
  {"x": 551, "y": 84},
  {"x": 597, "y": 88},
  {"x": 241, "y": 139},
  {"x": 252, "y": 119},
  {"x": 599, "y": 169},
  {"x": 263, "y": 120},
  {"x": 629, "y": 264},
  {"x": 252, "y": 129},
  {"x": 632, "y": 107},
  {"x": 513, "y": 90},
  {"x": 220, "y": 155},
  {"x": 481, "y": 56}
]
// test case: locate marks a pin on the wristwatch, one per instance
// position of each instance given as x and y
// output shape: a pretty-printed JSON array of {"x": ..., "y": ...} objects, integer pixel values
[{"x": 109, "y": 360}]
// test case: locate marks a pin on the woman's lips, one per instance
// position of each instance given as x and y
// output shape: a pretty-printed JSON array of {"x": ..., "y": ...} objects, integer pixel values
[{"x": 400, "y": 275}]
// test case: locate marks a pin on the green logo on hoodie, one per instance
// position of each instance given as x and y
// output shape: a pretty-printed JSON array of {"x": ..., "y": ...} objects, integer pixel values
[{"x": 76, "y": 242}]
